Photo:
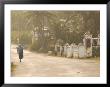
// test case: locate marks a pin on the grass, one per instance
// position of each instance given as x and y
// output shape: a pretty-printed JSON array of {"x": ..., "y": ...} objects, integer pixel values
[{"x": 13, "y": 66}]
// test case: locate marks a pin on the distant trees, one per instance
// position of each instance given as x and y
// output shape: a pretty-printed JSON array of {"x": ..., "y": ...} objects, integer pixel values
[{"x": 69, "y": 26}]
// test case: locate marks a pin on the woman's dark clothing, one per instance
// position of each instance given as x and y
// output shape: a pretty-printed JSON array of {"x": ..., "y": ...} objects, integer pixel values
[{"x": 20, "y": 52}]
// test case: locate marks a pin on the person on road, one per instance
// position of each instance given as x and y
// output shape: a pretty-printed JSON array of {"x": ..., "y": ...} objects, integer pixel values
[{"x": 20, "y": 52}]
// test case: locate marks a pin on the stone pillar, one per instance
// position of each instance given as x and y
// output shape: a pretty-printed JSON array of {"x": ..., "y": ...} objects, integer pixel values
[{"x": 88, "y": 44}]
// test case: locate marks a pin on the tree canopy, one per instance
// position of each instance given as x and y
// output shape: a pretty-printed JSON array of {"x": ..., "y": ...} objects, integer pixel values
[{"x": 69, "y": 26}]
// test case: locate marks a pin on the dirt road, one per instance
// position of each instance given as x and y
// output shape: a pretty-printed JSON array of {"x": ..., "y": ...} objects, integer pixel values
[{"x": 34, "y": 64}]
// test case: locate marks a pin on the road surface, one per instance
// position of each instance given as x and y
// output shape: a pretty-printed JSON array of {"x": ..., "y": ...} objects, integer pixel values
[{"x": 42, "y": 65}]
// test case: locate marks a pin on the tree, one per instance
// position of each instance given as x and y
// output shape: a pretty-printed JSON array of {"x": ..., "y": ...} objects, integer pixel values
[{"x": 69, "y": 26}]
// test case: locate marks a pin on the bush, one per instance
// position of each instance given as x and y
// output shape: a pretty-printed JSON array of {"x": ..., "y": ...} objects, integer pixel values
[
  {"x": 13, "y": 66},
  {"x": 96, "y": 51},
  {"x": 24, "y": 38},
  {"x": 39, "y": 46},
  {"x": 34, "y": 46}
]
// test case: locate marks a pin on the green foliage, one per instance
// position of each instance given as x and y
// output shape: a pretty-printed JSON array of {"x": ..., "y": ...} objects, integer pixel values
[
  {"x": 69, "y": 26},
  {"x": 14, "y": 36},
  {"x": 13, "y": 66},
  {"x": 24, "y": 37},
  {"x": 96, "y": 51},
  {"x": 39, "y": 46},
  {"x": 34, "y": 46}
]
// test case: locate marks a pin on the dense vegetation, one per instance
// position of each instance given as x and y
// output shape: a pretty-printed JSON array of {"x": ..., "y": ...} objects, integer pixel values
[{"x": 68, "y": 26}]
